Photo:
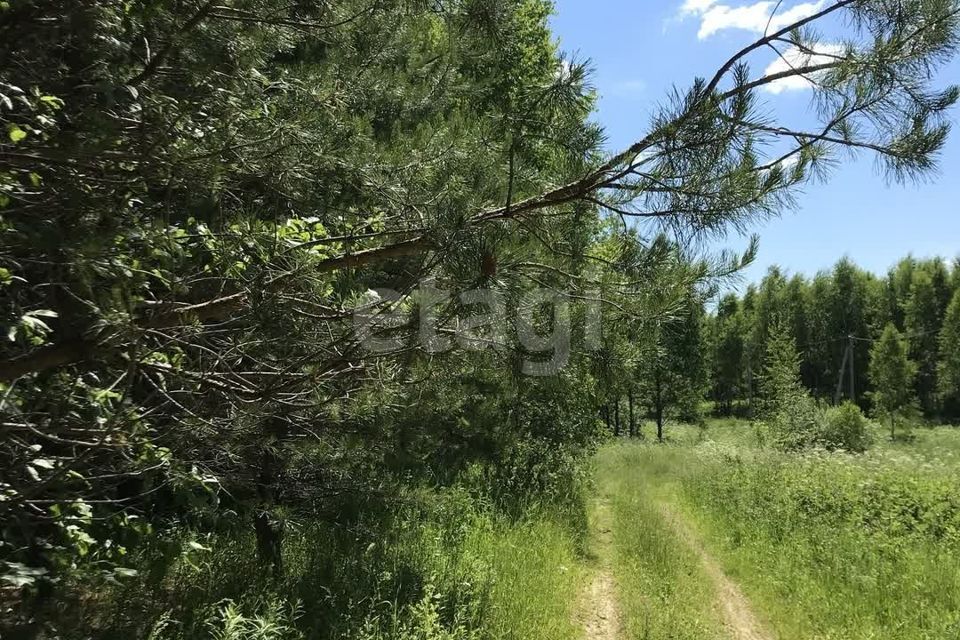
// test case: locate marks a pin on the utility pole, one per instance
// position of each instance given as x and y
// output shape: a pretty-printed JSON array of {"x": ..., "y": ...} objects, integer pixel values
[
  {"x": 853, "y": 391},
  {"x": 843, "y": 365}
]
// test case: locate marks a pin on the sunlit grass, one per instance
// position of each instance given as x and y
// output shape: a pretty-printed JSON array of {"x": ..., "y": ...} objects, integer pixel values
[
  {"x": 825, "y": 545},
  {"x": 662, "y": 590},
  {"x": 537, "y": 580},
  {"x": 445, "y": 567}
]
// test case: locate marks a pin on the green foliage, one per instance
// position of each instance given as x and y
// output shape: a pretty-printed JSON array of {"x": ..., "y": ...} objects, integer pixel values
[
  {"x": 923, "y": 318},
  {"x": 673, "y": 366},
  {"x": 198, "y": 204},
  {"x": 181, "y": 179},
  {"x": 274, "y": 623},
  {"x": 892, "y": 374},
  {"x": 821, "y": 314},
  {"x": 832, "y": 545},
  {"x": 822, "y": 545},
  {"x": 948, "y": 371},
  {"x": 846, "y": 429},
  {"x": 794, "y": 418},
  {"x": 798, "y": 424},
  {"x": 780, "y": 383},
  {"x": 662, "y": 588},
  {"x": 426, "y": 565},
  {"x": 727, "y": 344},
  {"x": 802, "y": 424},
  {"x": 422, "y": 621}
]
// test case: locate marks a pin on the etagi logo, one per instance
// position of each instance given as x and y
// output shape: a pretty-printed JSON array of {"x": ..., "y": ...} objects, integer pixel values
[{"x": 537, "y": 321}]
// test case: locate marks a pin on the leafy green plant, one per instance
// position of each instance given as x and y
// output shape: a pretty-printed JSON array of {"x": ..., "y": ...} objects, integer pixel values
[
  {"x": 832, "y": 544},
  {"x": 275, "y": 620},
  {"x": 798, "y": 423},
  {"x": 845, "y": 428}
]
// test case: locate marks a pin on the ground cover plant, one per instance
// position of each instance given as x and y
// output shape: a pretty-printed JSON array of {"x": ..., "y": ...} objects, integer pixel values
[{"x": 830, "y": 545}]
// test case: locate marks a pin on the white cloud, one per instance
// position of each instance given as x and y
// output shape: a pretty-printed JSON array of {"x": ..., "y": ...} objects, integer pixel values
[
  {"x": 793, "y": 58},
  {"x": 715, "y": 17},
  {"x": 696, "y": 6}
]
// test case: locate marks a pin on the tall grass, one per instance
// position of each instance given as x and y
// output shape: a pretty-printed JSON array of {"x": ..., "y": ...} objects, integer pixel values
[
  {"x": 826, "y": 545},
  {"x": 435, "y": 565},
  {"x": 837, "y": 547}
]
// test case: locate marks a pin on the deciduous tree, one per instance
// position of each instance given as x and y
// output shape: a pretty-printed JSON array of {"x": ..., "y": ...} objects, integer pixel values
[
  {"x": 892, "y": 374},
  {"x": 948, "y": 371}
]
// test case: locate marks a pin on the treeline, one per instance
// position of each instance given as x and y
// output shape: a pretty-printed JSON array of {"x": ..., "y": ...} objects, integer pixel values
[
  {"x": 835, "y": 319},
  {"x": 718, "y": 349}
]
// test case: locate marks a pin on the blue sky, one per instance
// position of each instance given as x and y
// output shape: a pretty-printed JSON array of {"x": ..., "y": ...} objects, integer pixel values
[{"x": 640, "y": 49}]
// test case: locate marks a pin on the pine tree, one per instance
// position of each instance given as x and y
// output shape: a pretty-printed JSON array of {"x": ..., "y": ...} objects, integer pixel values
[
  {"x": 892, "y": 374},
  {"x": 673, "y": 373},
  {"x": 794, "y": 314},
  {"x": 898, "y": 289},
  {"x": 780, "y": 383},
  {"x": 849, "y": 311},
  {"x": 194, "y": 195},
  {"x": 795, "y": 419},
  {"x": 940, "y": 279},
  {"x": 819, "y": 352}
]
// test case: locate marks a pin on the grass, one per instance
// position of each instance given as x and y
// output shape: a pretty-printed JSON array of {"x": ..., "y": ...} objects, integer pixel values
[
  {"x": 441, "y": 566},
  {"x": 834, "y": 547},
  {"x": 662, "y": 590},
  {"x": 939, "y": 444},
  {"x": 538, "y": 574},
  {"x": 825, "y": 545}
]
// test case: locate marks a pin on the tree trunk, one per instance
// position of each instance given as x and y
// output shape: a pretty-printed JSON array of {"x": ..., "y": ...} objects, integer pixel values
[
  {"x": 269, "y": 530},
  {"x": 658, "y": 410},
  {"x": 616, "y": 418},
  {"x": 633, "y": 424}
]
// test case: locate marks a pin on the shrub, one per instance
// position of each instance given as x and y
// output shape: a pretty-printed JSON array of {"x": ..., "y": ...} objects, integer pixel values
[
  {"x": 798, "y": 423},
  {"x": 845, "y": 428},
  {"x": 274, "y": 620},
  {"x": 277, "y": 621}
]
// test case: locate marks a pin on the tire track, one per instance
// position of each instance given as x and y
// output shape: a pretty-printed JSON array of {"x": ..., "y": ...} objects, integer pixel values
[
  {"x": 599, "y": 613},
  {"x": 737, "y": 614}
]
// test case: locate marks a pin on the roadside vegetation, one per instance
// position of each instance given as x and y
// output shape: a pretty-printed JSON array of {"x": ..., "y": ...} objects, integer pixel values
[
  {"x": 825, "y": 545},
  {"x": 432, "y": 565}
]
